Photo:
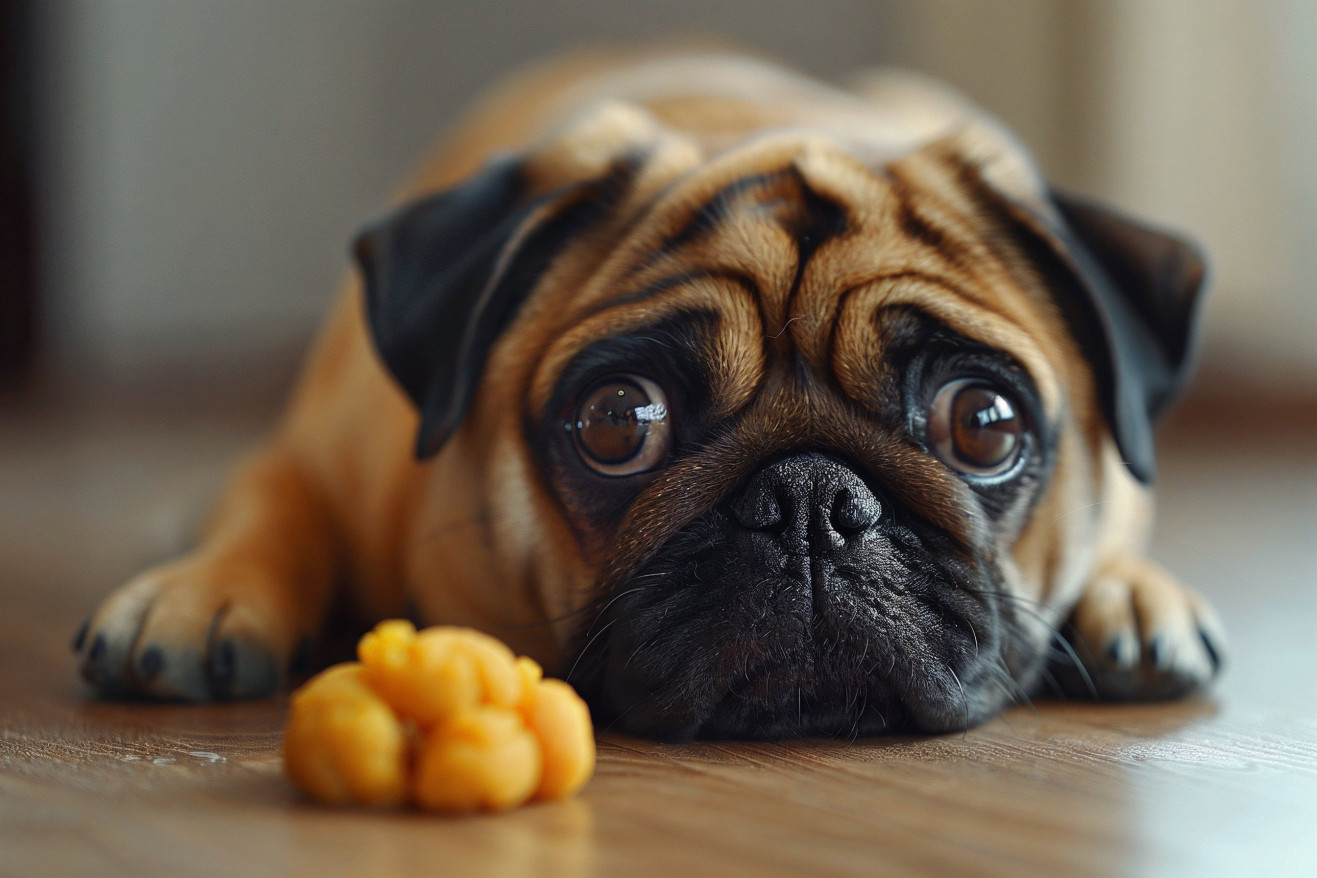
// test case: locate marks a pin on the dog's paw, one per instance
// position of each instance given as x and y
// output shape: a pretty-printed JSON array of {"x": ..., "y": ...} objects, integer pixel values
[
  {"x": 1142, "y": 636},
  {"x": 194, "y": 630}
]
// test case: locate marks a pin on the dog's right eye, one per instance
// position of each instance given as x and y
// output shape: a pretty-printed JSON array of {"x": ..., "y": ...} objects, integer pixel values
[{"x": 622, "y": 426}]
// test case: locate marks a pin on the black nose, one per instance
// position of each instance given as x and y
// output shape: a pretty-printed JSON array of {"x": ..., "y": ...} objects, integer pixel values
[{"x": 807, "y": 498}]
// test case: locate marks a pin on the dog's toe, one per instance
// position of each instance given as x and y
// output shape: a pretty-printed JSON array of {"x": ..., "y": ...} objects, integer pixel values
[
  {"x": 105, "y": 642},
  {"x": 187, "y": 632},
  {"x": 243, "y": 666},
  {"x": 1141, "y": 635}
]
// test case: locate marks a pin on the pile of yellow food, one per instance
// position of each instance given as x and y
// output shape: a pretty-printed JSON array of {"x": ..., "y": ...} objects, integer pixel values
[{"x": 447, "y": 718}]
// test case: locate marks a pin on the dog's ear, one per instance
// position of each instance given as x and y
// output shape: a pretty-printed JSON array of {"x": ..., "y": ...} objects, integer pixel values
[
  {"x": 1133, "y": 305},
  {"x": 1129, "y": 293},
  {"x": 446, "y": 275}
]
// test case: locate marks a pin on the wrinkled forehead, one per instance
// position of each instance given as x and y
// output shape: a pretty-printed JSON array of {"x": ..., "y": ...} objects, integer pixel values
[{"x": 791, "y": 252}]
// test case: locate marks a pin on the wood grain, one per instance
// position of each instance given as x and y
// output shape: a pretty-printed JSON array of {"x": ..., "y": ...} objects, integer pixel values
[{"x": 1225, "y": 784}]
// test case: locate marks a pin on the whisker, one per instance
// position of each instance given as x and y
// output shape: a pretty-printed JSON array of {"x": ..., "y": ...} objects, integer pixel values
[
  {"x": 1069, "y": 652},
  {"x": 1007, "y": 681},
  {"x": 964, "y": 700},
  {"x": 784, "y": 327},
  {"x": 1053, "y": 684},
  {"x": 1028, "y": 605},
  {"x": 587, "y": 608},
  {"x": 615, "y": 599},
  {"x": 617, "y": 719},
  {"x": 582, "y": 653},
  {"x": 1078, "y": 509}
]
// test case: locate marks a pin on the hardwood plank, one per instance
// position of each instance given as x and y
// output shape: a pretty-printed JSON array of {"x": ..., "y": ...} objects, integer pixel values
[{"x": 1225, "y": 784}]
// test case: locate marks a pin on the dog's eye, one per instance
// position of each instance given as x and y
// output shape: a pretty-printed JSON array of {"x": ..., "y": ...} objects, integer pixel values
[
  {"x": 622, "y": 426},
  {"x": 975, "y": 428}
]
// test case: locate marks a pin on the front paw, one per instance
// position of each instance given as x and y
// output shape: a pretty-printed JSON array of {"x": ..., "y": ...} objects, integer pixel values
[
  {"x": 194, "y": 630},
  {"x": 1142, "y": 636}
]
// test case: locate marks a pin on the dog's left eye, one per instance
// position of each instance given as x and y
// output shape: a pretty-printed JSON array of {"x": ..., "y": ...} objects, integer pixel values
[
  {"x": 977, "y": 429},
  {"x": 622, "y": 426}
]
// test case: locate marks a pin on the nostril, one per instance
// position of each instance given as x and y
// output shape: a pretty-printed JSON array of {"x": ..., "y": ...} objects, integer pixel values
[
  {"x": 810, "y": 497},
  {"x": 759, "y": 510},
  {"x": 854, "y": 512}
]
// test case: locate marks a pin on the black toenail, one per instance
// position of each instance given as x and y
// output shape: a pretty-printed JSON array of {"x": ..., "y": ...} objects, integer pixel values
[
  {"x": 1157, "y": 651},
  {"x": 98, "y": 647},
  {"x": 150, "y": 662},
  {"x": 1116, "y": 648},
  {"x": 81, "y": 637},
  {"x": 223, "y": 664},
  {"x": 301, "y": 660},
  {"x": 1212, "y": 653}
]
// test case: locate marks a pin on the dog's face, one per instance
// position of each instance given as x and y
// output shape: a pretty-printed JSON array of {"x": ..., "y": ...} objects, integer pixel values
[{"x": 784, "y": 441}]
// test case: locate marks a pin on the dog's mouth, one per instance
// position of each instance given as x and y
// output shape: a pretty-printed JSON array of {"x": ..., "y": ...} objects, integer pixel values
[{"x": 802, "y": 607}]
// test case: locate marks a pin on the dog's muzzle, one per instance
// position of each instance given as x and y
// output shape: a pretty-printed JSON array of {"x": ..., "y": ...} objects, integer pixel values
[
  {"x": 805, "y": 603},
  {"x": 810, "y": 508}
]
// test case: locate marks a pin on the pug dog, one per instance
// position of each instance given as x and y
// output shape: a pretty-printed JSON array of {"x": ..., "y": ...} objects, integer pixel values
[{"x": 756, "y": 407}]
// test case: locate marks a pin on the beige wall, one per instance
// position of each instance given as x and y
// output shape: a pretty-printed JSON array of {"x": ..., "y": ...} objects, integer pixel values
[
  {"x": 1018, "y": 58},
  {"x": 1204, "y": 126},
  {"x": 1200, "y": 114},
  {"x": 207, "y": 162}
]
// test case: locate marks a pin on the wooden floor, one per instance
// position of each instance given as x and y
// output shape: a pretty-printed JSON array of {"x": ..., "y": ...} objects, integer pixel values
[{"x": 1223, "y": 785}]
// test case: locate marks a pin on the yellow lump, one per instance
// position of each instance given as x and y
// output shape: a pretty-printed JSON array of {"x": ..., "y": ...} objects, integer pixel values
[
  {"x": 483, "y": 759},
  {"x": 343, "y": 744},
  {"x": 560, "y": 722},
  {"x": 439, "y": 672},
  {"x": 447, "y": 718}
]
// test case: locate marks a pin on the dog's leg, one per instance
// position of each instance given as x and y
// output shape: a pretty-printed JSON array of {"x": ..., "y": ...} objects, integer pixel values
[
  {"x": 225, "y": 621},
  {"x": 1142, "y": 635}
]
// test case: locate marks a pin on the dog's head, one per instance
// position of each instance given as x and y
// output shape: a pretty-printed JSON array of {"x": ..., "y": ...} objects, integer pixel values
[{"x": 781, "y": 438}]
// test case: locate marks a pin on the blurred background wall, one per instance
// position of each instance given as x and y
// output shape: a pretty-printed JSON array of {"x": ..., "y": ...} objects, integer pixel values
[{"x": 201, "y": 166}]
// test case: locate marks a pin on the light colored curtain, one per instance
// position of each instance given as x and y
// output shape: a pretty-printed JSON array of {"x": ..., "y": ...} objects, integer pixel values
[{"x": 1200, "y": 114}]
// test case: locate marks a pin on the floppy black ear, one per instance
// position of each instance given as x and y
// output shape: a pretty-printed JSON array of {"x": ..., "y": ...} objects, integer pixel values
[
  {"x": 446, "y": 275},
  {"x": 1135, "y": 316}
]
